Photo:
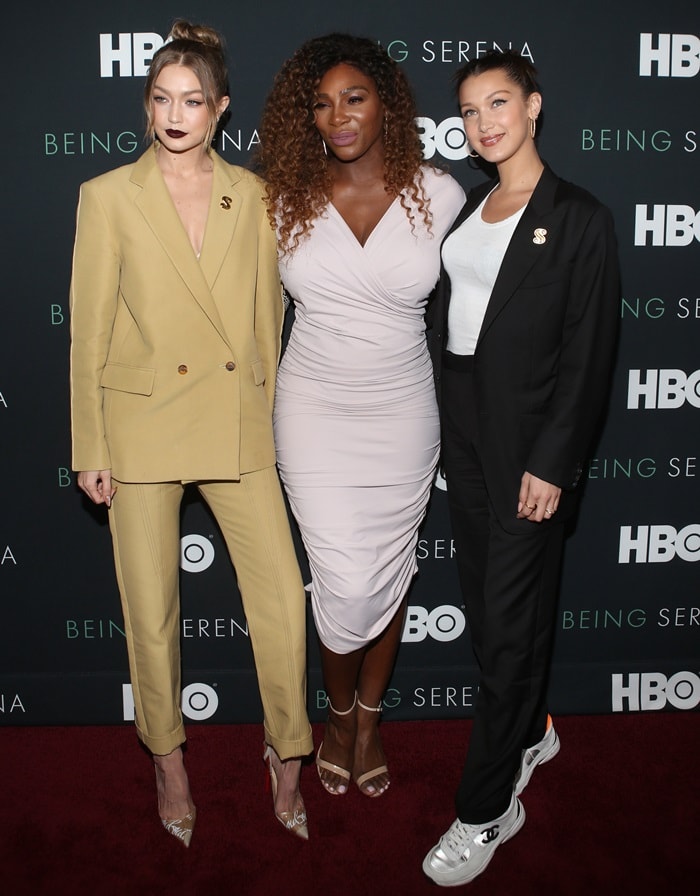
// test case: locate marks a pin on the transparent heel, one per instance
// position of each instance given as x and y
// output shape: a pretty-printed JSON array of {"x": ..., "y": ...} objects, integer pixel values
[{"x": 294, "y": 821}]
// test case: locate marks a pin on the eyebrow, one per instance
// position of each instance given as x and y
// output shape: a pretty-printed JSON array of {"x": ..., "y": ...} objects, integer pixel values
[
  {"x": 463, "y": 106},
  {"x": 490, "y": 96},
  {"x": 348, "y": 90},
  {"x": 184, "y": 92}
]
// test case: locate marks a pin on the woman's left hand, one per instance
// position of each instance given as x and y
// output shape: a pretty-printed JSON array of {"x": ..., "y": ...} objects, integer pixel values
[{"x": 537, "y": 500}]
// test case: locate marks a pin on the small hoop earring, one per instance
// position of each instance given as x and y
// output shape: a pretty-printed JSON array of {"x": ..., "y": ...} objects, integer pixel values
[
  {"x": 533, "y": 127},
  {"x": 471, "y": 153},
  {"x": 325, "y": 148}
]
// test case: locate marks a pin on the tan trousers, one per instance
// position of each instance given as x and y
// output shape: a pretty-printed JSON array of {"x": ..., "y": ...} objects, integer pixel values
[{"x": 145, "y": 524}]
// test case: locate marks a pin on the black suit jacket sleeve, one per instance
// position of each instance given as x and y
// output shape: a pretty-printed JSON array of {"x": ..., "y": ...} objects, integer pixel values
[{"x": 587, "y": 350}]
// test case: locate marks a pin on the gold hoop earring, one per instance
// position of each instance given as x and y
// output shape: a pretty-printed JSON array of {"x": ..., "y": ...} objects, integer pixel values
[
  {"x": 325, "y": 148},
  {"x": 533, "y": 127},
  {"x": 471, "y": 153}
]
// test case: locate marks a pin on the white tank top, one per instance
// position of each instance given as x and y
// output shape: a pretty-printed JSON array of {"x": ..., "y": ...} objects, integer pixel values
[{"x": 472, "y": 256}]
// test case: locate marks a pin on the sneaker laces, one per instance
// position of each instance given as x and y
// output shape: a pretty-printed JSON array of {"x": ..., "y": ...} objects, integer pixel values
[{"x": 457, "y": 838}]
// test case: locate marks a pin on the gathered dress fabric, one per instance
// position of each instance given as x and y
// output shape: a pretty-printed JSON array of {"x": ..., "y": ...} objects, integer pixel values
[{"x": 356, "y": 422}]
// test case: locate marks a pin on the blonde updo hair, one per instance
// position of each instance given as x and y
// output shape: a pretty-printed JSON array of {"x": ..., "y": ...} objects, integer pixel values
[{"x": 201, "y": 49}]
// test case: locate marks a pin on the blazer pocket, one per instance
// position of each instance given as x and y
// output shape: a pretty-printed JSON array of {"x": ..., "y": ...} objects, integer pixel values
[
  {"x": 540, "y": 278},
  {"x": 258, "y": 372},
  {"x": 123, "y": 378}
]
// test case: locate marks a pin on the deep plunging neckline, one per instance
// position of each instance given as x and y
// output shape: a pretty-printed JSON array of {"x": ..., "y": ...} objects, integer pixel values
[
  {"x": 197, "y": 253},
  {"x": 373, "y": 230}
]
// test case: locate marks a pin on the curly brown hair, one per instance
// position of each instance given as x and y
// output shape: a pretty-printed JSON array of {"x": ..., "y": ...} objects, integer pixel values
[{"x": 299, "y": 183}]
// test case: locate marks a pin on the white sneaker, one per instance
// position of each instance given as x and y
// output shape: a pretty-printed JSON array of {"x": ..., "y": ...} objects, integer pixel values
[
  {"x": 465, "y": 850},
  {"x": 538, "y": 754}
]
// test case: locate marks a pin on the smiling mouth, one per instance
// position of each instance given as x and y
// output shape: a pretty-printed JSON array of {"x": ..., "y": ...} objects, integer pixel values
[
  {"x": 343, "y": 138},
  {"x": 491, "y": 141},
  {"x": 175, "y": 134}
]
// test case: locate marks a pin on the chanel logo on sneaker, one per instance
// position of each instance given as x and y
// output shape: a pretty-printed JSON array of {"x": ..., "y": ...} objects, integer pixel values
[{"x": 488, "y": 835}]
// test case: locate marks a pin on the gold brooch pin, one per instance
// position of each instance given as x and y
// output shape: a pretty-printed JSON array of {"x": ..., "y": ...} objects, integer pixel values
[
  {"x": 226, "y": 202},
  {"x": 540, "y": 236}
]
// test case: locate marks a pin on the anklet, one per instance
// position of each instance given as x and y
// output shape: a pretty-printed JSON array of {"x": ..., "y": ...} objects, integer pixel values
[
  {"x": 345, "y": 712},
  {"x": 369, "y": 708}
]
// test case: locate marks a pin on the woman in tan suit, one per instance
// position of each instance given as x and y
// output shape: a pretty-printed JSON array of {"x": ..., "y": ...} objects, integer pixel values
[{"x": 176, "y": 320}]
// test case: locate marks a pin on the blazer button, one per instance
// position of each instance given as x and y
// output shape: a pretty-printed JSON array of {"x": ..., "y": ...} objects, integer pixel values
[
  {"x": 230, "y": 365},
  {"x": 182, "y": 368}
]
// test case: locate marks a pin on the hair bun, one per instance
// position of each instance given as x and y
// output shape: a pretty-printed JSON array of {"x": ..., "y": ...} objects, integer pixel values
[{"x": 202, "y": 34}]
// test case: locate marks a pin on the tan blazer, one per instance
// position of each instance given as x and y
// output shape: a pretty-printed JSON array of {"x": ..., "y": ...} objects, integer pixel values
[{"x": 173, "y": 359}]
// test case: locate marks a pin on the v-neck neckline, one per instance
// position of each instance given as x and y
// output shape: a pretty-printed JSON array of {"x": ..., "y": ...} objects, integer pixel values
[{"x": 376, "y": 227}]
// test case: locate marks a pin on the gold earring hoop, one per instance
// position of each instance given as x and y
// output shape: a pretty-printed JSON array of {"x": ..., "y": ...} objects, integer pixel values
[
  {"x": 471, "y": 153},
  {"x": 533, "y": 127},
  {"x": 325, "y": 148}
]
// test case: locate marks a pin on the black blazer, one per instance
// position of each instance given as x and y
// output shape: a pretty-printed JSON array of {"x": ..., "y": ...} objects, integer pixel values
[{"x": 545, "y": 350}]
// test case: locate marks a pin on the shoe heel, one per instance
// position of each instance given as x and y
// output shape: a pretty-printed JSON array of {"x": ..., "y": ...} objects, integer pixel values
[{"x": 295, "y": 822}]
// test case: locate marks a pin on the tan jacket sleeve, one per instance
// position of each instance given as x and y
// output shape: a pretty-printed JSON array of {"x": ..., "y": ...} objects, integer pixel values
[{"x": 93, "y": 303}]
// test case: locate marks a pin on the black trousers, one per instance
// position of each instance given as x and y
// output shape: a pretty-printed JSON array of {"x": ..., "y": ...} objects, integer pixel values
[{"x": 509, "y": 585}]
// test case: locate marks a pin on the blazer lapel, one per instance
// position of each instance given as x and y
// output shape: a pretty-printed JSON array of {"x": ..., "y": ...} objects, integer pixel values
[
  {"x": 224, "y": 210},
  {"x": 442, "y": 301},
  {"x": 524, "y": 249},
  {"x": 155, "y": 204},
  {"x": 475, "y": 197}
]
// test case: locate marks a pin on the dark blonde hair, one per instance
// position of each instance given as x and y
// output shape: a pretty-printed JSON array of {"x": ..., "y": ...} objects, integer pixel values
[
  {"x": 200, "y": 49},
  {"x": 299, "y": 183}
]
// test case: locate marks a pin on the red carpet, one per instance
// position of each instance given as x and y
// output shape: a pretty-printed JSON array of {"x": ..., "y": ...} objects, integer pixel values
[{"x": 616, "y": 812}]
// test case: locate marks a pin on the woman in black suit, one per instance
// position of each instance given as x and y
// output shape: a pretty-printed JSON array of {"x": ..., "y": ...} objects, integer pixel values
[{"x": 524, "y": 336}]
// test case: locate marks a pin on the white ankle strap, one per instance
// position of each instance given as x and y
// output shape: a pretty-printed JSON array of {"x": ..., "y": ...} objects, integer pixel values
[
  {"x": 345, "y": 712},
  {"x": 370, "y": 708}
]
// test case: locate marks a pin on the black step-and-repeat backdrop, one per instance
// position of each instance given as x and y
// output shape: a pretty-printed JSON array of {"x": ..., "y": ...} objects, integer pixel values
[{"x": 622, "y": 118}]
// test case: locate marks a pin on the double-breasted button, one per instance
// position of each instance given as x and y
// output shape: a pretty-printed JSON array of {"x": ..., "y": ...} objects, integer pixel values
[
  {"x": 229, "y": 365},
  {"x": 182, "y": 368}
]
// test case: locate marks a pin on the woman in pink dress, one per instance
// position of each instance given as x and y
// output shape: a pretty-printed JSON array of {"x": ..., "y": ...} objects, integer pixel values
[{"x": 359, "y": 220}]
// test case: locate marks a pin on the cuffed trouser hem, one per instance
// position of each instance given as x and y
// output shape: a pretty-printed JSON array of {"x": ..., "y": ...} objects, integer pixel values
[
  {"x": 288, "y": 749},
  {"x": 145, "y": 524},
  {"x": 161, "y": 746}
]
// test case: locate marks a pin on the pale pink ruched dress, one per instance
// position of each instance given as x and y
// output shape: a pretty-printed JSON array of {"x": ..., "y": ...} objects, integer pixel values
[{"x": 356, "y": 422}]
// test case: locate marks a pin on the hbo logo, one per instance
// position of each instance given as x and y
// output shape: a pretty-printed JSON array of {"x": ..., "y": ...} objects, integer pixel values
[
  {"x": 447, "y": 138},
  {"x": 659, "y": 544},
  {"x": 669, "y": 388},
  {"x": 445, "y": 623},
  {"x": 652, "y": 690},
  {"x": 199, "y": 702},
  {"x": 669, "y": 225},
  {"x": 196, "y": 553},
  {"x": 677, "y": 55},
  {"x": 132, "y": 54}
]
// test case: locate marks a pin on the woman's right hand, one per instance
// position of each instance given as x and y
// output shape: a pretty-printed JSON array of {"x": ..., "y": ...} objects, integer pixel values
[{"x": 97, "y": 485}]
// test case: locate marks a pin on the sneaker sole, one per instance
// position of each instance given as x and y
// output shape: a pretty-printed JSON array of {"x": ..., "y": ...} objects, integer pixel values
[
  {"x": 541, "y": 759},
  {"x": 427, "y": 870}
]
